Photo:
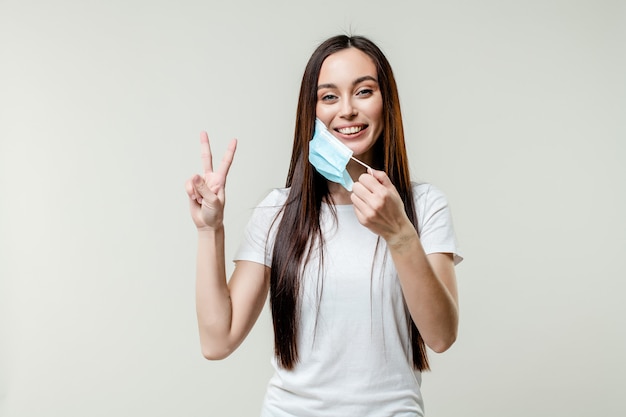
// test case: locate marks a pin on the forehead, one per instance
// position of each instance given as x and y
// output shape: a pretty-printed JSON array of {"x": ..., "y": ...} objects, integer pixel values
[{"x": 346, "y": 66}]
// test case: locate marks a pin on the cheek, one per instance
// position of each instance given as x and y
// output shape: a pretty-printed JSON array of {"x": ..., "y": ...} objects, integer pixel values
[
  {"x": 377, "y": 110},
  {"x": 323, "y": 114},
  {"x": 376, "y": 114}
]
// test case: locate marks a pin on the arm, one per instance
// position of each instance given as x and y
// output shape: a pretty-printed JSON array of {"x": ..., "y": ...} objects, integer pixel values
[
  {"x": 428, "y": 281},
  {"x": 226, "y": 310},
  {"x": 429, "y": 287}
]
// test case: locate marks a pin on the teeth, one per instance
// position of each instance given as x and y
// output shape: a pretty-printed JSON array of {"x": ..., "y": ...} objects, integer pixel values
[{"x": 350, "y": 130}]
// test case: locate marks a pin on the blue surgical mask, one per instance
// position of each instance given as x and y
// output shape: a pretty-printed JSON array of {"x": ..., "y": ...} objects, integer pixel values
[{"x": 329, "y": 156}]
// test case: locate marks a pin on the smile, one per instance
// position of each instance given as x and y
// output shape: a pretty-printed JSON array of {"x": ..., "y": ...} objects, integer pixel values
[{"x": 350, "y": 130}]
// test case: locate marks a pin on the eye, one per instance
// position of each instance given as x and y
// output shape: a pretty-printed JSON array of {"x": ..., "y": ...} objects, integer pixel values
[
  {"x": 328, "y": 97},
  {"x": 365, "y": 92}
]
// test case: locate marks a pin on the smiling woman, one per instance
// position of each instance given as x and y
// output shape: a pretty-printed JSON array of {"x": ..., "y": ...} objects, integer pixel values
[
  {"x": 350, "y": 102},
  {"x": 361, "y": 279}
]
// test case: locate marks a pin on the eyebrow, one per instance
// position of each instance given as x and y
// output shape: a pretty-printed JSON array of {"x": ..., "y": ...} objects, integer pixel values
[{"x": 355, "y": 82}]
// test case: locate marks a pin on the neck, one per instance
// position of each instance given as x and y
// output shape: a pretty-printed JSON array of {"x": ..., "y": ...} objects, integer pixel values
[
  {"x": 338, "y": 194},
  {"x": 355, "y": 170}
]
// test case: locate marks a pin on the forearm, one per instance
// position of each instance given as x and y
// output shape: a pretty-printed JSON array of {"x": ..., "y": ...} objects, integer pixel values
[
  {"x": 213, "y": 303},
  {"x": 431, "y": 303}
]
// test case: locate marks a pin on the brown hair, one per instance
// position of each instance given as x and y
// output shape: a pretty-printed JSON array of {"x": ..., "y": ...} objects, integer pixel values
[{"x": 299, "y": 230}]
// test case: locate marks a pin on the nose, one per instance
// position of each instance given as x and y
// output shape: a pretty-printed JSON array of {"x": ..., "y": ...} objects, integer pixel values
[{"x": 347, "y": 109}]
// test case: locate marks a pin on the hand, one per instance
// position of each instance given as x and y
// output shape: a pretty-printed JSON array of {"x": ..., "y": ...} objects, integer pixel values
[
  {"x": 379, "y": 207},
  {"x": 206, "y": 193}
]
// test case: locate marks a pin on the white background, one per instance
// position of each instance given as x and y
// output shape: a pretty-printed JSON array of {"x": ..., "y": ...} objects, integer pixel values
[{"x": 515, "y": 109}]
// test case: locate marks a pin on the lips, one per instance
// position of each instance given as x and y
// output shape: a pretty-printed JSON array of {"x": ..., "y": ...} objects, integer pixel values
[{"x": 350, "y": 130}]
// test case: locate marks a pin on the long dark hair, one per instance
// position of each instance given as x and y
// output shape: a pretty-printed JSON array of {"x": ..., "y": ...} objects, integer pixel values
[{"x": 299, "y": 231}]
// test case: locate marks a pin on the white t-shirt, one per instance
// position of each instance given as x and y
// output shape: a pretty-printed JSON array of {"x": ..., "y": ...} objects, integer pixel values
[{"x": 353, "y": 342}]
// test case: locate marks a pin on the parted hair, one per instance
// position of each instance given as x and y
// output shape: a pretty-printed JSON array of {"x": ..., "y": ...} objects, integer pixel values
[{"x": 299, "y": 231}]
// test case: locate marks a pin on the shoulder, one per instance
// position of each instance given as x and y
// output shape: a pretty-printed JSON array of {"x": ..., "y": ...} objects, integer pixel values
[
  {"x": 434, "y": 218},
  {"x": 426, "y": 194},
  {"x": 431, "y": 206},
  {"x": 271, "y": 204},
  {"x": 274, "y": 198},
  {"x": 265, "y": 213}
]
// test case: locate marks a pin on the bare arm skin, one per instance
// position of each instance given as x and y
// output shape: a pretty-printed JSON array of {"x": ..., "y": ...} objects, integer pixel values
[
  {"x": 428, "y": 281},
  {"x": 226, "y": 310}
]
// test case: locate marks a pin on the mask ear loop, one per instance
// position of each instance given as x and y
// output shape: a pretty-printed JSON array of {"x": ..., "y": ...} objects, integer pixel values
[{"x": 369, "y": 169}]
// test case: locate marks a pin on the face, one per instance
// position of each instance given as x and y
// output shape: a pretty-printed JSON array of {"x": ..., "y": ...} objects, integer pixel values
[{"x": 349, "y": 100}]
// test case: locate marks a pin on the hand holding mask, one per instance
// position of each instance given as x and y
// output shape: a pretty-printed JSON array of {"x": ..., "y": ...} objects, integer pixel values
[{"x": 330, "y": 157}]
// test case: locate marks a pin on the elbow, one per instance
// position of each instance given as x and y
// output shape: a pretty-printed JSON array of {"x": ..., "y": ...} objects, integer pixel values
[
  {"x": 443, "y": 343},
  {"x": 215, "y": 349},
  {"x": 442, "y": 338},
  {"x": 213, "y": 353},
  {"x": 215, "y": 344}
]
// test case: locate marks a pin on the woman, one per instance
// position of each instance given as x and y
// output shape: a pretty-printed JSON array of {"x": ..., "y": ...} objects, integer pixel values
[{"x": 360, "y": 281}]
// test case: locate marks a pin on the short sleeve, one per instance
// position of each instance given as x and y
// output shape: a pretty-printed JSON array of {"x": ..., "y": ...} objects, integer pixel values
[
  {"x": 435, "y": 225},
  {"x": 258, "y": 238}
]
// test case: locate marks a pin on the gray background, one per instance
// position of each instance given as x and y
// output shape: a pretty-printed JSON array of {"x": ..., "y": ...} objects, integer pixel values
[{"x": 515, "y": 109}]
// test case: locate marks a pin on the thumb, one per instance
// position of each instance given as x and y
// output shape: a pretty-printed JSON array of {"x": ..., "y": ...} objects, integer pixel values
[{"x": 201, "y": 187}]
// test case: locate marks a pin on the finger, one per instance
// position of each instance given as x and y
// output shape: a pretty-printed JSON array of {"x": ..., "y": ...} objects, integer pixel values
[
  {"x": 191, "y": 192},
  {"x": 357, "y": 196},
  {"x": 201, "y": 188},
  {"x": 227, "y": 160},
  {"x": 361, "y": 208},
  {"x": 360, "y": 195},
  {"x": 380, "y": 176},
  {"x": 205, "y": 154},
  {"x": 368, "y": 184}
]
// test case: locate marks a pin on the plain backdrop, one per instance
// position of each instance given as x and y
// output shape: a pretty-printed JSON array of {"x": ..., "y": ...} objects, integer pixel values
[{"x": 515, "y": 109}]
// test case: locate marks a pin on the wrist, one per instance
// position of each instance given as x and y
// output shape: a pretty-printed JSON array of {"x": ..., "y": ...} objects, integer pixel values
[
  {"x": 210, "y": 232},
  {"x": 405, "y": 238}
]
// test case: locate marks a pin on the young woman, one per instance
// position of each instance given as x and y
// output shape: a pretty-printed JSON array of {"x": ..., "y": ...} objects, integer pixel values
[{"x": 361, "y": 282}]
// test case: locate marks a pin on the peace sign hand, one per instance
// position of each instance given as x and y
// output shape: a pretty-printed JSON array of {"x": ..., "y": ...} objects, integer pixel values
[{"x": 206, "y": 193}]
